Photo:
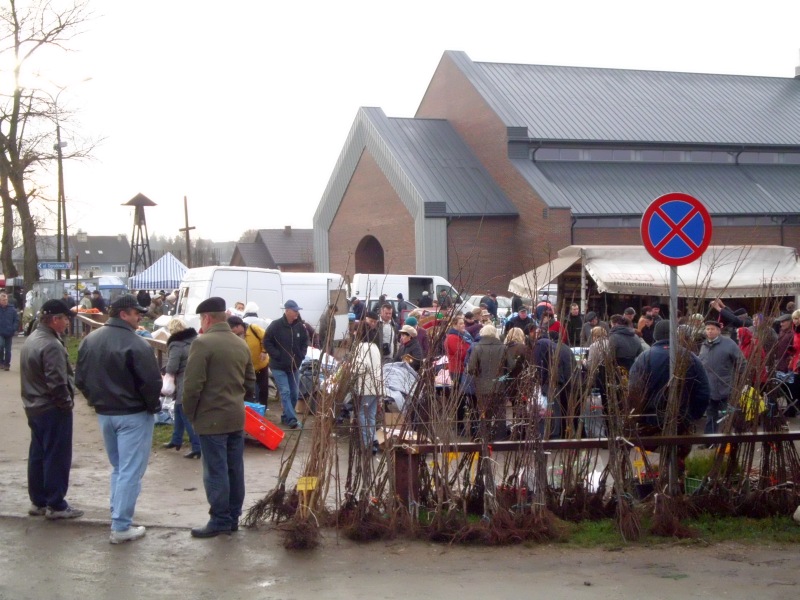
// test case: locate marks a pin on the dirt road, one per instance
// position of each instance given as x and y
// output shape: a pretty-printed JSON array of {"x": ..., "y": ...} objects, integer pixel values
[{"x": 41, "y": 559}]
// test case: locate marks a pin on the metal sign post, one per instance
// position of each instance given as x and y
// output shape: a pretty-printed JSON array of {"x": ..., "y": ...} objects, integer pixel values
[{"x": 676, "y": 230}]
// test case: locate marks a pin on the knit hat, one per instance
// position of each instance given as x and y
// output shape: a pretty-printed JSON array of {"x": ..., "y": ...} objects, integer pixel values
[
  {"x": 661, "y": 331},
  {"x": 411, "y": 321},
  {"x": 590, "y": 315}
]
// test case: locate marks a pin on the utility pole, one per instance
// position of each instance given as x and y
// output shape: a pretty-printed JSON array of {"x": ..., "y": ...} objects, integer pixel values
[
  {"x": 62, "y": 206},
  {"x": 185, "y": 230}
]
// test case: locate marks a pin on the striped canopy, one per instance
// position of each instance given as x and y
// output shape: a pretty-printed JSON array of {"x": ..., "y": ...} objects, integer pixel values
[{"x": 166, "y": 273}]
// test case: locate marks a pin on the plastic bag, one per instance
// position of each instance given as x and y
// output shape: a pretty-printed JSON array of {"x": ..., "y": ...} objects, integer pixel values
[
  {"x": 168, "y": 387},
  {"x": 167, "y": 414}
]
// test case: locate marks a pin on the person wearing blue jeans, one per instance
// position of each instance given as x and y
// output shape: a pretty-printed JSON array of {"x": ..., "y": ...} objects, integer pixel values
[
  {"x": 127, "y": 440},
  {"x": 223, "y": 479},
  {"x": 180, "y": 340},
  {"x": 9, "y": 324},
  {"x": 286, "y": 342},
  {"x": 181, "y": 424},
  {"x": 219, "y": 376},
  {"x": 120, "y": 378},
  {"x": 287, "y": 383}
]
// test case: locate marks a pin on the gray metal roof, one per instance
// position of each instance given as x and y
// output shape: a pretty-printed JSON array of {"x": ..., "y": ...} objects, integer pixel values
[
  {"x": 288, "y": 246},
  {"x": 448, "y": 176},
  {"x": 252, "y": 254},
  {"x": 627, "y": 188},
  {"x": 588, "y": 104}
]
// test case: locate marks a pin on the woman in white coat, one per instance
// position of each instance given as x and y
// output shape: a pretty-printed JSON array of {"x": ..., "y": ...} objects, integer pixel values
[{"x": 368, "y": 387}]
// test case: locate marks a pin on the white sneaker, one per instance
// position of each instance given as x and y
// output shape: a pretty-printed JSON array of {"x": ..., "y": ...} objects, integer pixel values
[
  {"x": 67, "y": 513},
  {"x": 130, "y": 534}
]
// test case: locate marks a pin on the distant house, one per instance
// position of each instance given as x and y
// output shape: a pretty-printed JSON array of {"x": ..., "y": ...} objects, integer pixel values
[
  {"x": 96, "y": 254},
  {"x": 286, "y": 249}
]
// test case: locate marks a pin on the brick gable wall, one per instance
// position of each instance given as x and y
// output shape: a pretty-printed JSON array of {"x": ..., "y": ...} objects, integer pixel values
[{"x": 371, "y": 207}]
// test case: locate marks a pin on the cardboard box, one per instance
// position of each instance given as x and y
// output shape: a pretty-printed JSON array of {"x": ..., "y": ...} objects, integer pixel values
[{"x": 393, "y": 419}]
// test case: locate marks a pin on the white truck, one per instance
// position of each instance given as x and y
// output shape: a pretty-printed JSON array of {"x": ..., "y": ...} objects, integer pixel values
[
  {"x": 370, "y": 286},
  {"x": 268, "y": 288}
]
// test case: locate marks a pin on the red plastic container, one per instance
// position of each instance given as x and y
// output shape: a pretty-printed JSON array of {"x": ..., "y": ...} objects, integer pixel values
[{"x": 264, "y": 431}]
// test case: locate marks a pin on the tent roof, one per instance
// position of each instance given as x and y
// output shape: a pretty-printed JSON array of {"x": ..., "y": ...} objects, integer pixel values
[
  {"x": 722, "y": 271},
  {"x": 166, "y": 273}
]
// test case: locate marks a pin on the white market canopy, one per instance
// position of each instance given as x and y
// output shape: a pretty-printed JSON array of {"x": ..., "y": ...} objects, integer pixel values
[
  {"x": 166, "y": 273},
  {"x": 722, "y": 271}
]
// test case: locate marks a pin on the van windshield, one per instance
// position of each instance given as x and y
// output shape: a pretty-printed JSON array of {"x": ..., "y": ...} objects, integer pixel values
[{"x": 190, "y": 298}]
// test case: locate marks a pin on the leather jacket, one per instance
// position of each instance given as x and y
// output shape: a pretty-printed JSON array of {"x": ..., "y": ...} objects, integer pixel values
[
  {"x": 117, "y": 371},
  {"x": 47, "y": 378}
]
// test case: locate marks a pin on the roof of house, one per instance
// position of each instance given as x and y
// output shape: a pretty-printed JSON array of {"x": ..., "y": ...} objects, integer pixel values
[
  {"x": 623, "y": 105},
  {"x": 288, "y": 246},
  {"x": 97, "y": 248},
  {"x": 252, "y": 254}
]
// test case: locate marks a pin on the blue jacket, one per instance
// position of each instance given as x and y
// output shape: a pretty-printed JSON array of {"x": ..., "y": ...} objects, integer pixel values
[
  {"x": 9, "y": 320},
  {"x": 648, "y": 381}
]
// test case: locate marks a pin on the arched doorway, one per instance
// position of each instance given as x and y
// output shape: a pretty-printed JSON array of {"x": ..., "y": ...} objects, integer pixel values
[{"x": 369, "y": 255}]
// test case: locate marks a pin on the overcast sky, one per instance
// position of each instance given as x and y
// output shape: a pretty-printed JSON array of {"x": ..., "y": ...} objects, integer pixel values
[{"x": 243, "y": 107}]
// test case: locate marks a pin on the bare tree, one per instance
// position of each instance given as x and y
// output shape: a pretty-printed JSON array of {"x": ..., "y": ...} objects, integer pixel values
[
  {"x": 24, "y": 32},
  {"x": 249, "y": 236}
]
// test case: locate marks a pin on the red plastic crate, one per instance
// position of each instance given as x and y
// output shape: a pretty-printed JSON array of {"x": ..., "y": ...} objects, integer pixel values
[{"x": 264, "y": 431}]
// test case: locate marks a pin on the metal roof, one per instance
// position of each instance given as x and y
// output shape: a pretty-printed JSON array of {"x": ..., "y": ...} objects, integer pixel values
[
  {"x": 627, "y": 188},
  {"x": 616, "y": 105},
  {"x": 449, "y": 178},
  {"x": 288, "y": 246},
  {"x": 252, "y": 254}
]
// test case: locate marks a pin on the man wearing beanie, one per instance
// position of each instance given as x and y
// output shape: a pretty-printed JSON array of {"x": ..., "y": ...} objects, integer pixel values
[{"x": 649, "y": 383}]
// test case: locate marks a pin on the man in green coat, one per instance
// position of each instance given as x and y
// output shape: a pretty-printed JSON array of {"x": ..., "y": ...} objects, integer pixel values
[{"x": 219, "y": 376}]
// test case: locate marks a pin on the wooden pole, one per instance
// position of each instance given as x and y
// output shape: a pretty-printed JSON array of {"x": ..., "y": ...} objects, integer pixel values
[{"x": 185, "y": 230}]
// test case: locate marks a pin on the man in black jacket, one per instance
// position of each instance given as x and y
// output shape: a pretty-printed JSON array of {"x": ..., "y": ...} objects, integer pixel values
[
  {"x": 521, "y": 320},
  {"x": 118, "y": 375},
  {"x": 286, "y": 342},
  {"x": 623, "y": 342},
  {"x": 47, "y": 395}
]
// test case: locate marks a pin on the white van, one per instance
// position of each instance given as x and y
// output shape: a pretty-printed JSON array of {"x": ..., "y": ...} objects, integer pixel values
[
  {"x": 268, "y": 288},
  {"x": 367, "y": 286}
]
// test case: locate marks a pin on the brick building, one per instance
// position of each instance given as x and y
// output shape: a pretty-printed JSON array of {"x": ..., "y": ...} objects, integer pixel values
[{"x": 505, "y": 164}]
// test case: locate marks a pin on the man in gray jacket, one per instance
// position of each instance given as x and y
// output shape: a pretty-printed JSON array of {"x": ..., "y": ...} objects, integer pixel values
[
  {"x": 47, "y": 394},
  {"x": 722, "y": 360}
]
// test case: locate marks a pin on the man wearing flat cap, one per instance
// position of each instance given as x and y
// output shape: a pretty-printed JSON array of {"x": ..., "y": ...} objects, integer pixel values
[
  {"x": 47, "y": 395},
  {"x": 286, "y": 342},
  {"x": 219, "y": 376},
  {"x": 723, "y": 360},
  {"x": 119, "y": 376}
]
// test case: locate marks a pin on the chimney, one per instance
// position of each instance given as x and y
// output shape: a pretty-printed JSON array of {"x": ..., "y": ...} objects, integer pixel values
[
  {"x": 797, "y": 72},
  {"x": 82, "y": 237},
  {"x": 287, "y": 229}
]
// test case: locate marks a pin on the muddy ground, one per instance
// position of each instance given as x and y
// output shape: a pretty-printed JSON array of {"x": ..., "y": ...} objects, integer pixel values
[{"x": 41, "y": 559}]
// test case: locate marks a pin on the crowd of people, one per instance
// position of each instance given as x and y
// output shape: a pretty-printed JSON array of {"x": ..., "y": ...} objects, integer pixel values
[{"x": 211, "y": 372}]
